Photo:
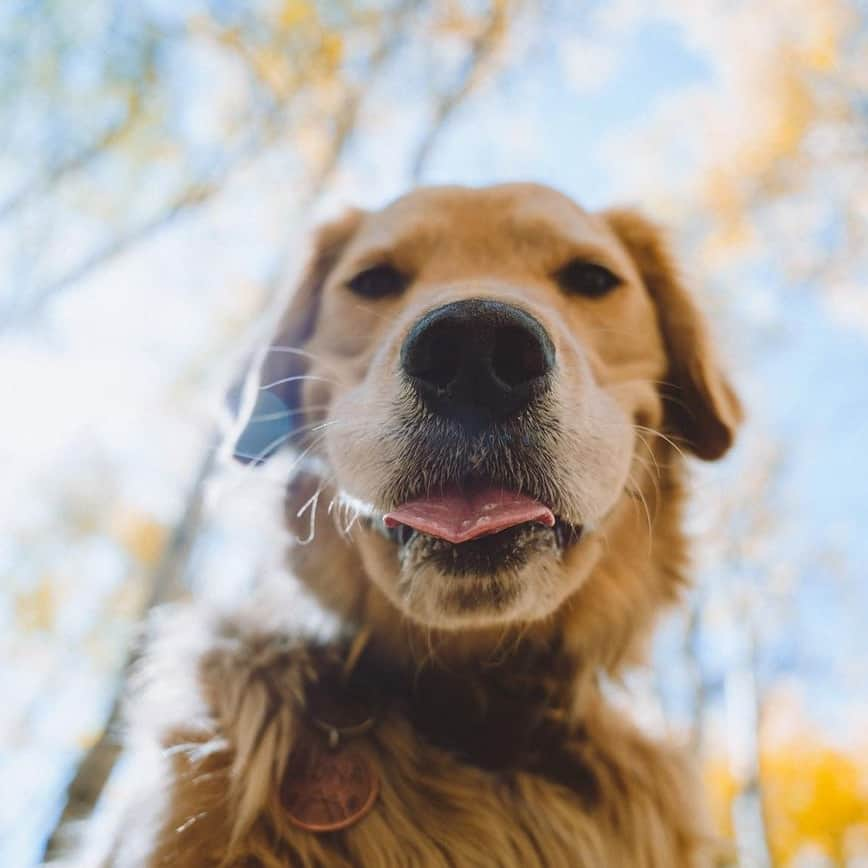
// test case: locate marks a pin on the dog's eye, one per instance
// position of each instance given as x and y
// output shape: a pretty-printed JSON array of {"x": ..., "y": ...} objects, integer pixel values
[
  {"x": 378, "y": 282},
  {"x": 586, "y": 278}
]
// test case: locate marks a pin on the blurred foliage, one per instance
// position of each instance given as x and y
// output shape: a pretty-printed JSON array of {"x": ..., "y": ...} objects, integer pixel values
[
  {"x": 815, "y": 797},
  {"x": 121, "y": 96}
]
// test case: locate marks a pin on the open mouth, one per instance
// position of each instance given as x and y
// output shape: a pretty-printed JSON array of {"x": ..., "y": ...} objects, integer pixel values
[{"x": 478, "y": 528}]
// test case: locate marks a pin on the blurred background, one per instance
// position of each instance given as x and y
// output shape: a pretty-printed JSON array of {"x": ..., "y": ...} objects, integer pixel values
[{"x": 161, "y": 165}]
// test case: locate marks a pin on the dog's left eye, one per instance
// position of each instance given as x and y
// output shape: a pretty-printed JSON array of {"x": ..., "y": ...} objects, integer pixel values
[
  {"x": 586, "y": 278},
  {"x": 378, "y": 282}
]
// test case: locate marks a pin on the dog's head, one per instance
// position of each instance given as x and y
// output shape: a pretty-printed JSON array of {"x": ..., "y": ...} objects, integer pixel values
[{"x": 483, "y": 376}]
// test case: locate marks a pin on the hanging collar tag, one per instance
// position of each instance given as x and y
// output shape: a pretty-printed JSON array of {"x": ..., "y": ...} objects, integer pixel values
[{"x": 328, "y": 784}]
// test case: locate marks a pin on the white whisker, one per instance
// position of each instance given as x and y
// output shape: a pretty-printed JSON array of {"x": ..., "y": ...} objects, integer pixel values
[
  {"x": 662, "y": 436},
  {"x": 294, "y": 351},
  {"x": 283, "y": 414},
  {"x": 637, "y": 490},
  {"x": 315, "y": 426},
  {"x": 256, "y": 459},
  {"x": 353, "y": 520},
  {"x": 296, "y": 378},
  {"x": 302, "y": 456},
  {"x": 311, "y": 503},
  {"x": 321, "y": 425}
]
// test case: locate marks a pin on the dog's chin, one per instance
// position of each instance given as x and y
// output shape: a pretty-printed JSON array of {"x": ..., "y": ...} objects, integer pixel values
[{"x": 514, "y": 576}]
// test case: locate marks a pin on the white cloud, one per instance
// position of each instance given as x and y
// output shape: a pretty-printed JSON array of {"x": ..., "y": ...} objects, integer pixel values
[{"x": 588, "y": 63}]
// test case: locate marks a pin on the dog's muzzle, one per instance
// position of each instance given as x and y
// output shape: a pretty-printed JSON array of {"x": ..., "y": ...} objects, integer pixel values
[{"x": 480, "y": 369}]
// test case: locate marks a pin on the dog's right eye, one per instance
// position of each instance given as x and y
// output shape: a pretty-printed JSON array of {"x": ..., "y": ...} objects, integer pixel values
[
  {"x": 378, "y": 282},
  {"x": 579, "y": 277}
]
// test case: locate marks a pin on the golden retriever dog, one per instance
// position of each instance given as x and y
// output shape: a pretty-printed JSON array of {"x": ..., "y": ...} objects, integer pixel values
[{"x": 498, "y": 389}]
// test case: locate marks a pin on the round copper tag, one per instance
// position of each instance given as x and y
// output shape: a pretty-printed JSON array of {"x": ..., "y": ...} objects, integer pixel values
[{"x": 326, "y": 790}]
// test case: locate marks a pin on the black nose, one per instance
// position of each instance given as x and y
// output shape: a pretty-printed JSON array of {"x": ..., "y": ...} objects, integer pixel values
[{"x": 477, "y": 360}]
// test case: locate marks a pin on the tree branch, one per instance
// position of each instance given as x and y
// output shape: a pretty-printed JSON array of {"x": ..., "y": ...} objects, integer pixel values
[
  {"x": 70, "y": 164},
  {"x": 202, "y": 191},
  {"x": 188, "y": 200},
  {"x": 482, "y": 48},
  {"x": 346, "y": 121},
  {"x": 698, "y": 700},
  {"x": 167, "y": 583}
]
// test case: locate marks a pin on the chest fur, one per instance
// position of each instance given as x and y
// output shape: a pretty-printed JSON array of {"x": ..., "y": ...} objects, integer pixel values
[
  {"x": 431, "y": 810},
  {"x": 434, "y": 810},
  {"x": 592, "y": 793}
]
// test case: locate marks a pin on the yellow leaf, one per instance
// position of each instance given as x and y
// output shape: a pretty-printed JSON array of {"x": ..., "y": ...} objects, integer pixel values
[
  {"x": 294, "y": 13},
  {"x": 332, "y": 50},
  {"x": 142, "y": 537},
  {"x": 37, "y": 609}
]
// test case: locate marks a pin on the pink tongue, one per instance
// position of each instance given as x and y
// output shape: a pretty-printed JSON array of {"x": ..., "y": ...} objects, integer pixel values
[{"x": 460, "y": 516}]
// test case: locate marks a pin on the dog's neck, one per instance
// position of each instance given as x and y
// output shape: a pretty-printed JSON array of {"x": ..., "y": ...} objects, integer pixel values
[{"x": 496, "y": 715}]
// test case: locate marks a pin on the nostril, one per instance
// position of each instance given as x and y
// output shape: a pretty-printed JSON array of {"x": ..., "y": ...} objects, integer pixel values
[
  {"x": 518, "y": 356},
  {"x": 436, "y": 356},
  {"x": 445, "y": 352}
]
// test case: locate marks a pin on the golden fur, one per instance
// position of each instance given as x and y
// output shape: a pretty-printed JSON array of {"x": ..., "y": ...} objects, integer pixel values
[{"x": 220, "y": 701}]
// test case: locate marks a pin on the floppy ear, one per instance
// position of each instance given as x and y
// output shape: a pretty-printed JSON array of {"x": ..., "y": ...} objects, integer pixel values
[
  {"x": 274, "y": 409},
  {"x": 701, "y": 406}
]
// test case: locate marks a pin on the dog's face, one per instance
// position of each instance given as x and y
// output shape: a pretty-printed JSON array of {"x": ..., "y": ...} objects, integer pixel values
[{"x": 477, "y": 372}]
